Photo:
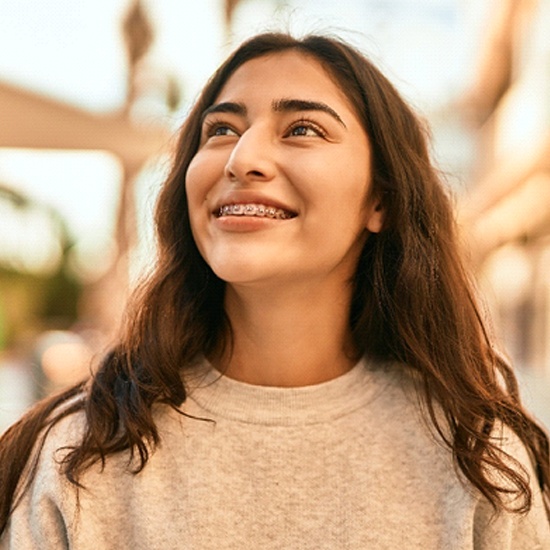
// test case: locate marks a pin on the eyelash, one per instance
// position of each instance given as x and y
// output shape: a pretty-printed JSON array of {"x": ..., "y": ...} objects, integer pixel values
[
  {"x": 306, "y": 123},
  {"x": 211, "y": 126}
]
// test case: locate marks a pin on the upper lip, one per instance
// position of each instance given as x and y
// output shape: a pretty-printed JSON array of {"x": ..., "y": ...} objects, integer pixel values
[{"x": 251, "y": 198}]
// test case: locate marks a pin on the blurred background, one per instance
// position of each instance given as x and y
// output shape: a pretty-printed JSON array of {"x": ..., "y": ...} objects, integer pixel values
[{"x": 92, "y": 93}]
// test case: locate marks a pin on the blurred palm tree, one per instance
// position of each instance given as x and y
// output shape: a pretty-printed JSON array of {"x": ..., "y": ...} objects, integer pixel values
[{"x": 33, "y": 299}]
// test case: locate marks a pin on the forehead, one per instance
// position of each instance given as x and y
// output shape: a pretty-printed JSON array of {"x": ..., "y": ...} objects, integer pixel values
[{"x": 283, "y": 74}]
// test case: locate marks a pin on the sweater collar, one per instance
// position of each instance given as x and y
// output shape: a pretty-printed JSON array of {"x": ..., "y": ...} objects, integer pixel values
[{"x": 224, "y": 397}]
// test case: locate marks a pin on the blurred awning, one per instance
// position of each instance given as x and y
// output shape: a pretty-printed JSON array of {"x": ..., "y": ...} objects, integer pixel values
[
  {"x": 30, "y": 120},
  {"x": 510, "y": 202}
]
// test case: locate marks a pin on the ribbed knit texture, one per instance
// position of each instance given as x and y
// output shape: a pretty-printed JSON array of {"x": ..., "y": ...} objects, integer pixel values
[{"x": 347, "y": 464}]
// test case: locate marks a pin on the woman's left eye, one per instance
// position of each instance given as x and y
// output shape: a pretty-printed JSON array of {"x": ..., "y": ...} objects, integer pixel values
[
  {"x": 221, "y": 130},
  {"x": 306, "y": 128}
]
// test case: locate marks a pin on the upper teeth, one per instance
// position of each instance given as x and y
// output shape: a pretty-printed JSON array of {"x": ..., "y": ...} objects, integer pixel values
[{"x": 250, "y": 209}]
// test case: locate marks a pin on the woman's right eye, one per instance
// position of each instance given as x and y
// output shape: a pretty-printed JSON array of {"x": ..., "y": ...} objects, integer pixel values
[{"x": 219, "y": 129}]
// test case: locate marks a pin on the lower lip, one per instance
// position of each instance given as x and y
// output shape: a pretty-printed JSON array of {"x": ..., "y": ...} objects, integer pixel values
[{"x": 246, "y": 223}]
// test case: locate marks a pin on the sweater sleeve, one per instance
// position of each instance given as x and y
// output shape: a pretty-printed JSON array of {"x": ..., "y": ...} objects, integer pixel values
[
  {"x": 40, "y": 520},
  {"x": 508, "y": 530},
  {"x": 36, "y": 524},
  {"x": 511, "y": 531}
]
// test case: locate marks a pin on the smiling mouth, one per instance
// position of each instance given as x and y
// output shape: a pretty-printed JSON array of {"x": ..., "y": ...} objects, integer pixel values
[{"x": 254, "y": 210}]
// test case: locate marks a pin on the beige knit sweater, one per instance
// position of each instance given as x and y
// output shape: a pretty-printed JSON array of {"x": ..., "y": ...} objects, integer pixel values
[{"x": 347, "y": 464}]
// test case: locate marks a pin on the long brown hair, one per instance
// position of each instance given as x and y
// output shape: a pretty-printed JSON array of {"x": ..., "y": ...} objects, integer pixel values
[{"x": 413, "y": 303}]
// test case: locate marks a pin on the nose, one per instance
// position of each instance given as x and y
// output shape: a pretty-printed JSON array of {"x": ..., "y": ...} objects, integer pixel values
[{"x": 251, "y": 159}]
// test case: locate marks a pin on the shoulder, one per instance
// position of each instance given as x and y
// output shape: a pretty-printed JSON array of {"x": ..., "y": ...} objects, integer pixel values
[
  {"x": 64, "y": 432},
  {"x": 507, "y": 529},
  {"x": 399, "y": 400},
  {"x": 44, "y": 494}
]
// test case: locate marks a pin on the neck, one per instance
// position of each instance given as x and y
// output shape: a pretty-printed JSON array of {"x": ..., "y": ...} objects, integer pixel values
[{"x": 290, "y": 337}]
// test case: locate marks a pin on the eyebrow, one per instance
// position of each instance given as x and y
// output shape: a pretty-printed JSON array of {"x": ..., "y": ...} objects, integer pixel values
[
  {"x": 279, "y": 105},
  {"x": 293, "y": 105},
  {"x": 225, "y": 107}
]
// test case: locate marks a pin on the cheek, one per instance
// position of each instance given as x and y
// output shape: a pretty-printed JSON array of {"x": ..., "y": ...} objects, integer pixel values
[
  {"x": 196, "y": 191},
  {"x": 193, "y": 181},
  {"x": 336, "y": 189},
  {"x": 203, "y": 174},
  {"x": 352, "y": 189}
]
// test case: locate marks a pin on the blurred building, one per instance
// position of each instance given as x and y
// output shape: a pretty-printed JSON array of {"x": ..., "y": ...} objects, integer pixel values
[
  {"x": 506, "y": 216},
  {"x": 51, "y": 317},
  {"x": 33, "y": 121}
]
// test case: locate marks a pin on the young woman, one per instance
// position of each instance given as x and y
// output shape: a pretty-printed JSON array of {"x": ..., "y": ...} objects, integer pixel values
[{"x": 307, "y": 366}]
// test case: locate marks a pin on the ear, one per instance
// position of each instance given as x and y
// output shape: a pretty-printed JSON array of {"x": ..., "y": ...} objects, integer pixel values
[{"x": 375, "y": 217}]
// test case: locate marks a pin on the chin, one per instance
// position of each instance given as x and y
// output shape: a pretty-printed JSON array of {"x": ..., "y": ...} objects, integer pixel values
[
  {"x": 246, "y": 264},
  {"x": 240, "y": 272}
]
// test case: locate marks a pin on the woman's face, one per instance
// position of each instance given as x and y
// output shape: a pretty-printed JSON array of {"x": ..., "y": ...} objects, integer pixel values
[{"x": 278, "y": 189}]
